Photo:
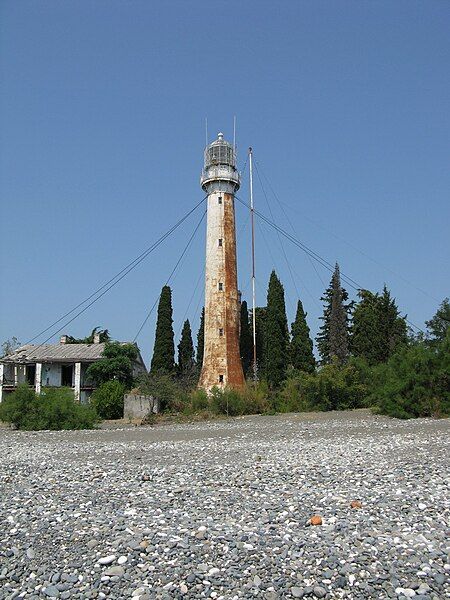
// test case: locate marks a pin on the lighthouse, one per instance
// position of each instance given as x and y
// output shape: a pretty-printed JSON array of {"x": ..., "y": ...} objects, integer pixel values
[{"x": 221, "y": 359}]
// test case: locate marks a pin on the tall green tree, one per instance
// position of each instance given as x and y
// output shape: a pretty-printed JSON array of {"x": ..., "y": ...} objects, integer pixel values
[
  {"x": 245, "y": 340},
  {"x": 261, "y": 349},
  {"x": 392, "y": 326},
  {"x": 277, "y": 333},
  {"x": 439, "y": 325},
  {"x": 377, "y": 329},
  {"x": 201, "y": 340},
  {"x": 186, "y": 360},
  {"x": 163, "y": 360},
  {"x": 333, "y": 337},
  {"x": 301, "y": 347}
]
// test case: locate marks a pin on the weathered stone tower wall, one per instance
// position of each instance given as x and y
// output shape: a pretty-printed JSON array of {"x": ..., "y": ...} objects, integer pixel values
[{"x": 221, "y": 360}]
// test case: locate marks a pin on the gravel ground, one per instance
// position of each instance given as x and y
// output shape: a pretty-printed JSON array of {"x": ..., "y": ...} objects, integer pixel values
[{"x": 223, "y": 510}]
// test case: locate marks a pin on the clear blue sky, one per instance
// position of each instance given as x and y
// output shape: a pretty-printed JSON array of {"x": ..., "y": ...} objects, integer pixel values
[{"x": 102, "y": 110}]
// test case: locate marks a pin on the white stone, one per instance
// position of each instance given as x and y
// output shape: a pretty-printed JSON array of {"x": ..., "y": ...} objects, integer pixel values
[{"x": 107, "y": 560}]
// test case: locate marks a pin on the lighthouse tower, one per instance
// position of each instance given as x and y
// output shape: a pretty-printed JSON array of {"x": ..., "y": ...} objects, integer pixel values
[{"x": 221, "y": 359}]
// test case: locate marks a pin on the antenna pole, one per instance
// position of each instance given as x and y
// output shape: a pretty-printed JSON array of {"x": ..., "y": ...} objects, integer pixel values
[
  {"x": 234, "y": 134},
  {"x": 252, "y": 214},
  {"x": 206, "y": 131}
]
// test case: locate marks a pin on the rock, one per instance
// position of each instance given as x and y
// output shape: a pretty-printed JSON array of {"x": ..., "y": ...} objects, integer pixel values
[
  {"x": 30, "y": 553},
  {"x": 297, "y": 592},
  {"x": 356, "y": 504},
  {"x": 107, "y": 560},
  {"x": 122, "y": 560},
  {"x": 51, "y": 591},
  {"x": 319, "y": 592},
  {"x": 316, "y": 520},
  {"x": 183, "y": 589},
  {"x": 117, "y": 571}
]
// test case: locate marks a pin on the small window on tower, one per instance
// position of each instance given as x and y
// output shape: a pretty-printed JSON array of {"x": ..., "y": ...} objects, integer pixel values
[
  {"x": 220, "y": 242},
  {"x": 220, "y": 199},
  {"x": 220, "y": 378},
  {"x": 221, "y": 331},
  {"x": 220, "y": 286}
]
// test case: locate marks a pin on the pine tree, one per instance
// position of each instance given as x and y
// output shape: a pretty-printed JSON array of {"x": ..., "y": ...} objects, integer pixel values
[
  {"x": 364, "y": 339},
  {"x": 392, "y": 326},
  {"x": 440, "y": 323},
  {"x": 301, "y": 347},
  {"x": 164, "y": 349},
  {"x": 277, "y": 333},
  {"x": 245, "y": 340},
  {"x": 333, "y": 337},
  {"x": 186, "y": 362},
  {"x": 377, "y": 327},
  {"x": 201, "y": 340}
]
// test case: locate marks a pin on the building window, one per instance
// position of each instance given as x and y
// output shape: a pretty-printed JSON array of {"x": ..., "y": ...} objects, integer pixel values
[
  {"x": 220, "y": 286},
  {"x": 220, "y": 199},
  {"x": 221, "y": 331},
  {"x": 220, "y": 242},
  {"x": 220, "y": 378}
]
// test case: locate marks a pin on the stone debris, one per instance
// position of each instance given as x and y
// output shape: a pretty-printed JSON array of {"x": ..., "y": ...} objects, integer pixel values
[
  {"x": 316, "y": 520},
  {"x": 227, "y": 509}
]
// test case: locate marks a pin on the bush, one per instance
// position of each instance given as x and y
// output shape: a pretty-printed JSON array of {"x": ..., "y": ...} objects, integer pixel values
[
  {"x": 54, "y": 408},
  {"x": 415, "y": 382},
  {"x": 172, "y": 396},
  {"x": 108, "y": 400},
  {"x": 333, "y": 387}
]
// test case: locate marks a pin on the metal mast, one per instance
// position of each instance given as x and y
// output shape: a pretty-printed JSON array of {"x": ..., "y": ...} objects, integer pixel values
[{"x": 252, "y": 213}]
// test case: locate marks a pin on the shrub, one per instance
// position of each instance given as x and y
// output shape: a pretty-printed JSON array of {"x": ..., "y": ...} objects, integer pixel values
[
  {"x": 166, "y": 389},
  {"x": 333, "y": 387},
  {"x": 198, "y": 401},
  {"x": 415, "y": 382},
  {"x": 54, "y": 408},
  {"x": 108, "y": 400}
]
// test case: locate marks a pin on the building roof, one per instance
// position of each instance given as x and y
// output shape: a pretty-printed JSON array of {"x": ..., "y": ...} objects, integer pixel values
[{"x": 55, "y": 353}]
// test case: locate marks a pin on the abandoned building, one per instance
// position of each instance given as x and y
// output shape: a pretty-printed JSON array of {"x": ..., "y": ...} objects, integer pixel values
[{"x": 55, "y": 365}]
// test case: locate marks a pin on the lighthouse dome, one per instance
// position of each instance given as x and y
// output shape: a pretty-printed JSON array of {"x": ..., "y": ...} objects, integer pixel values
[{"x": 220, "y": 152}]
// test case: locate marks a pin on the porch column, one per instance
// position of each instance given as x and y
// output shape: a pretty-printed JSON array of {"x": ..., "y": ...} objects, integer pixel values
[
  {"x": 77, "y": 381},
  {"x": 16, "y": 375},
  {"x": 1, "y": 381},
  {"x": 38, "y": 378}
]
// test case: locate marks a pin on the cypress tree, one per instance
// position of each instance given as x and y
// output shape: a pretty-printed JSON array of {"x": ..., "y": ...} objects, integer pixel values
[
  {"x": 261, "y": 352},
  {"x": 277, "y": 333},
  {"x": 301, "y": 347},
  {"x": 164, "y": 349},
  {"x": 333, "y": 337},
  {"x": 245, "y": 340},
  {"x": 186, "y": 360},
  {"x": 201, "y": 340}
]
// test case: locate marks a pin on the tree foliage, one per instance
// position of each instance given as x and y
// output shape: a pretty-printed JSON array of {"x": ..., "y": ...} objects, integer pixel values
[
  {"x": 116, "y": 364},
  {"x": 201, "y": 340},
  {"x": 186, "y": 361},
  {"x": 108, "y": 400},
  {"x": 163, "y": 360},
  {"x": 261, "y": 347},
  {"x": 102, "y": 333},
  {"x": 333, "y": 337},
  {"x": 245, "y": 340},
  {"x": 54, "y": 408},
  {"x": 276, "y": 333},
  {"x": 439, "y": 325},
  {"x": 378, "y": 330},
  {"x": 301, "y": 347},
  {"x": 415, "y": 382},
  {"x": 10, "y": 346}
]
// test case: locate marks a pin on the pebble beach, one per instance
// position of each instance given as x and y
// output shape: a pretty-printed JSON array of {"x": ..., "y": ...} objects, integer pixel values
[{"x": 328, "y": 505}]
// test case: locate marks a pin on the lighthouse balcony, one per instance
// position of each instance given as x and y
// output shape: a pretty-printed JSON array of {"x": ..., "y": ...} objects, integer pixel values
[{"x": 220, "y": 173}]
